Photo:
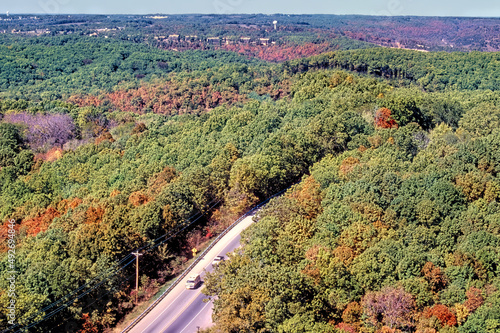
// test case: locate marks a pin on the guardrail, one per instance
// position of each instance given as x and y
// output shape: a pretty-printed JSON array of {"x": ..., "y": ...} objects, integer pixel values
[{"x": 197, "y": 260}]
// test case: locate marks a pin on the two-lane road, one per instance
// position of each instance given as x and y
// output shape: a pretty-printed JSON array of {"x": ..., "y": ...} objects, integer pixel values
[
  {"x": 183, "y": 310},
  {"x": 197, "y": 314}
]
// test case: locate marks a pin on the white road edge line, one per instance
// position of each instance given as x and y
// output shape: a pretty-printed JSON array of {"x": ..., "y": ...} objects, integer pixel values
[
  {"x": 152, "y": 322},
  {"x": 191, "y": 301},
  {"x": 195, "y": 317}
]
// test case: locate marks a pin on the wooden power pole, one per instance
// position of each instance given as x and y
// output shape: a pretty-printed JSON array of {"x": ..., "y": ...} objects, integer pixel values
[{"x": 136, "y": 254}]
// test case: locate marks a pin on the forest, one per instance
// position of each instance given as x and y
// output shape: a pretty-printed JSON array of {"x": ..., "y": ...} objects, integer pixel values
[
  {"x": 397, "y": 232},
  {"x": 390, "y": 222}
]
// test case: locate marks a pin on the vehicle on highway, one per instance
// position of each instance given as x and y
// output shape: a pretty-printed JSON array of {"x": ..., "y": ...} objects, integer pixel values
[
  {"x": 217, "y": 260},
  {"x": 193, "y": 281}
]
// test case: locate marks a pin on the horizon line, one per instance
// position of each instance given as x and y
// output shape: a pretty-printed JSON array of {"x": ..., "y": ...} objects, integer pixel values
[{"x": 236, "y": 14}]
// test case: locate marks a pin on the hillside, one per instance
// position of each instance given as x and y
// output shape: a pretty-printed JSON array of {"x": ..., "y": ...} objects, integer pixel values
[
  {"x": 398, "y": 233},
  {"x": 110, "y": 145}
]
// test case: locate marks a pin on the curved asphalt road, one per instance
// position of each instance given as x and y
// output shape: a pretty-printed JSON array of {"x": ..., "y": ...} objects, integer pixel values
[{"x": 183, "y": 310}]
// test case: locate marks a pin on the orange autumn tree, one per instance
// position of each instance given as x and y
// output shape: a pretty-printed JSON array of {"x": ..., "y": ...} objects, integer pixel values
[
  {"x": 88, "y": 326},
  {"x": 474, "y": 299},
  {"x": 351, "y": 317},
  {"x": 434, "y": 275},
  {"x": 308, "y": 196},
  {"x": 383, "y": 119},
  {"x": 39, "y": 223},
  {"x": 442, "y": 313}
]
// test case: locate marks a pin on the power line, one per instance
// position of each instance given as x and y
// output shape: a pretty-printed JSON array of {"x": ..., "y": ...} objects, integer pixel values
[
  {"x": 146, "y": 248},
  {"x": 162, "y": 296},
  {"x": 67, "y": 303},
  {"x": 62, "y": 299}
]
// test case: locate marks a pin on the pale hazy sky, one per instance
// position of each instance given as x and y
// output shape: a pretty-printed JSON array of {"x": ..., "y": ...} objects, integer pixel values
[{"x": 488, "y": 8}]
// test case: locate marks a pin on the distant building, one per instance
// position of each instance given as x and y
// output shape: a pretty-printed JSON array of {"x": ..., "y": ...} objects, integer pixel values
[
  {"x": 173, "y": 38},
  {"x": 213, "y": 40},
  {"x": 227, "y": 41},
  {"x": 245, "y": 40},
  {"x": 191, "y": 39},
  {"x": 264, "y": 41},
  {"x": 156, "y": 17}
]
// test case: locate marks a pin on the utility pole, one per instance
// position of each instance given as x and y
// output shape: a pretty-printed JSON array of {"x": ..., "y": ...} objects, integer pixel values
[{"x": 136, "y": 254}]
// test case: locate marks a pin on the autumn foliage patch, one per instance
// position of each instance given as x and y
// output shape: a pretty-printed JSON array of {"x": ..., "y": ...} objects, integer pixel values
[
  {"x": 443, "y": 313},
  {"x": 383, "y": 119}
]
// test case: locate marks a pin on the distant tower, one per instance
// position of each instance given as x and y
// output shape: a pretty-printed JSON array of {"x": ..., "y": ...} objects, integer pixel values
[
  {"x": 275, "y": 22},
  {"x": 7, "y": 13}
]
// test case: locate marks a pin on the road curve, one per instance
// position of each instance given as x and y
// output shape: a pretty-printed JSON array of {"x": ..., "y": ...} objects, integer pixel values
[{"x": 182, "y": 310}]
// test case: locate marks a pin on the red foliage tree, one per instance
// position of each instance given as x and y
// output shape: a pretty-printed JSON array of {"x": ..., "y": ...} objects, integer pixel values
[
  {"x": 442, "y": 313},
  {"x": 40, "y": 222},
  {"x": 66, "y": 204},
  {"x": 209, "y": 233},
  {"x": 474, "y": 299},
  {"x": 343, "y": 327},
  {"x": 383, "y": 119},
  {"x": 88, "y": 326}
]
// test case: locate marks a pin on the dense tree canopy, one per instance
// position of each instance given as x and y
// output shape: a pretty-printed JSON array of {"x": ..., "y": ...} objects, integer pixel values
[{"x": 107, "y": 146}]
